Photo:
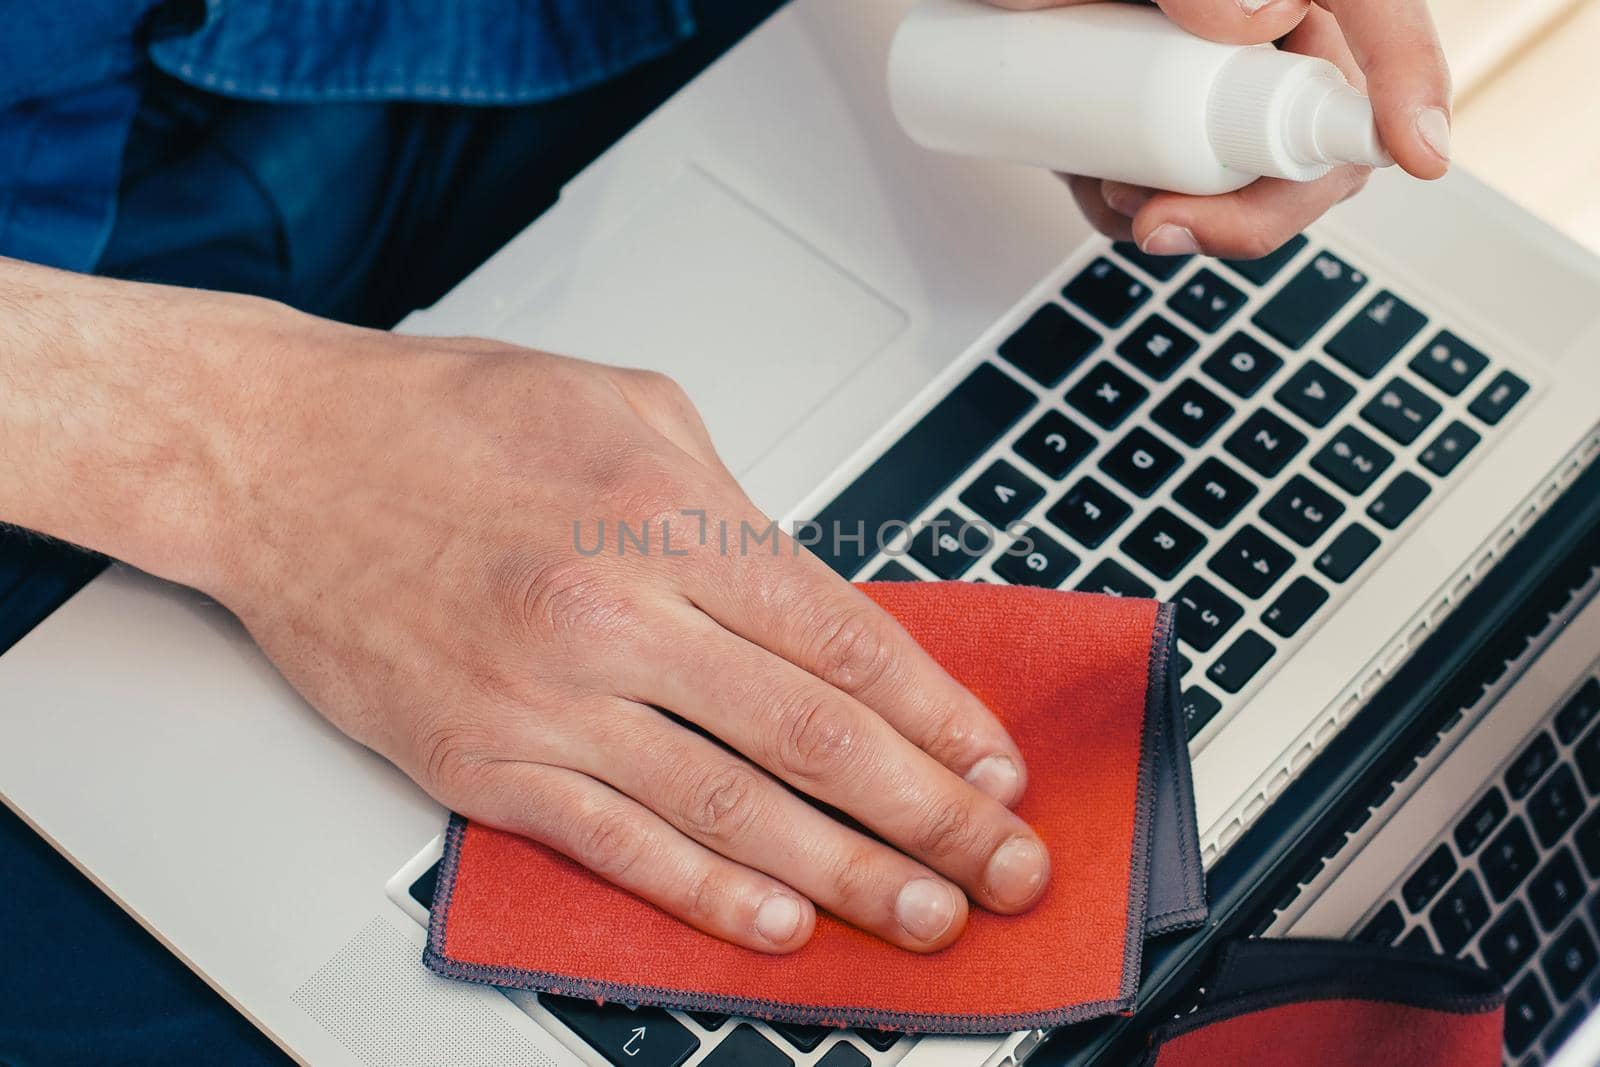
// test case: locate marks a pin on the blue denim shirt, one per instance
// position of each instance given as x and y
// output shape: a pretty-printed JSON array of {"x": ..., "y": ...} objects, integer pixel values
[{"x": 70, "y": 77}]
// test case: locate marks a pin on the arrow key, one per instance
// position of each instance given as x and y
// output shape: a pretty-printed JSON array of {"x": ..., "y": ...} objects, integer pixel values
[{"x": 643, "y": 1037}]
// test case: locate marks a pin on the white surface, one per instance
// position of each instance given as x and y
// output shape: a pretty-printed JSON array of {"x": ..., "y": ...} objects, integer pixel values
[{"x": 149, "y": 740}]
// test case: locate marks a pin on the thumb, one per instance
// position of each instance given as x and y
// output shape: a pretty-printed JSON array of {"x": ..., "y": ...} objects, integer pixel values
[{"x": 1229, "y": 21}]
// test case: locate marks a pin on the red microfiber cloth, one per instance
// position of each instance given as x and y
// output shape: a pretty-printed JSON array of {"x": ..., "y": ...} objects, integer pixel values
[
  {"x": 1085, "y": 683},
  {"x": 1336, "y": 1004}
]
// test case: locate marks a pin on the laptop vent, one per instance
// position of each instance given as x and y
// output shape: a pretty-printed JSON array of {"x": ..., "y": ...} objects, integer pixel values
[
  {"x": 1412, "y": 635},
  {"x": 389, "y": 1010}
]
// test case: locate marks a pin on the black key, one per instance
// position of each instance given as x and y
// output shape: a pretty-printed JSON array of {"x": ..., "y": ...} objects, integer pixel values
[
  {"x": 1376, "y": 335},
  {"x": 1206, "y": 300},
  {"x": 1265, "y": 442},
  {"x": 1418, "y": 941},
  {"x": 1310, "y": 299},
  {"x": 711, "y": 1020},
  {"x": 1107, "y": 292},
  {"x": 949, "y": 545},
  {"x": 894, "y": 572},
  {"x": 1460, "y": 913},
  {"x": 1426, "y": 881},
  {"x": 1508, "y": 859},
  {"x": 1199, "y": 708},
  {"x": 1385, "y": 927},
  {"x": 1161, "y": 268},
  {"x": 1157, "y": 347},
  {"x": 882, "y": 1040},
  {"x": 1528, "y": 1012},
  {"x": 1113, "y": 578},
  {"x": 1587, "y": 838},
  {"x": 1562, "y": 1029},
  {"x": 1215, "y": 492},
  {"x": 1184, "y": 663},
  {"x": 1235, "y": 667},
  {"x": 1303, "y": 510},
  {"x": 1509, "y": 941},
  {"x": 1140, "y": 461},
  {"x": 1449, "y": 363},
  {"x": 1556, "y": 889},
  {"x": 1352, "y": 460},
  {"x": 1479, "y": 821},
  {"x": 1106, "y": 395},
  {"x": 1346, "y": 553},
  {"x": 1578, "y": 712},
  {"x": 1398, "y": 500},
  {"x": 1555, "y": 805},
  {"x": 1530, "y": 765},
  {"x": 1002, "y": 494},
  {"x": 1055, "y": 444},
  {"x": 1204, "y": 613},
  {"x": 1261, "y": 270},
  {"x": 1294, "y": 607},
  {"x": 1449, "y": 448},
  {"x": 1588, "y": 756},
  {"x": 1163, "y": 543},
  {"x": 1089, "y": 512},
  {"x": 916, "y": 468},
  {"x": 844, "y": 1054},
  {"x": 1315, "y": 393},
  {"x": 1036, "y": 559},
  {"x": 1049, "y": 345},
  {"x": 1191, "y": 413},
  {"x": 1251, "y": 561},
  {"x": 1401, "y": 410},
  {"x": 745, "y": 1047},
  {"x": 1242, "y": 364},
  {"x": 1569, "y": 960},
  {"x": 648, "y": 1037},
  {"x": 804, "y": 1038},
  {"x": 1501, "y": 396}
]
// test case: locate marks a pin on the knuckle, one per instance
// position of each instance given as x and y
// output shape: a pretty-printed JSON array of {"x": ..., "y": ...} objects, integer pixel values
[
  {"x": 723, "y": 804},
  {"x": 704, "y": 900},
  {"x": 945, "y": 829},
  {"x": 613, "y": 843},
  {"x": 817, "y": 741},
  {"x": 855, "y": 885},
  {"x": 568, "y": 599},
  {"x": 852, "y": 652},
  {"x": 948, "y": 737},
  {"x": 452, "y": 758}
]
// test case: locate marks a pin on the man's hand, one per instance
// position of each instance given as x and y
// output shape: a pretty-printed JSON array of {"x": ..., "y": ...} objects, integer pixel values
[
  {"x": 1387, "y": 48},
  {"x": 393, "y": 519}
]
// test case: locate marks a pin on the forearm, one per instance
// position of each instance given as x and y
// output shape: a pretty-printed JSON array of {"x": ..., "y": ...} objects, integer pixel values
[{"x": 112, "y": 425}]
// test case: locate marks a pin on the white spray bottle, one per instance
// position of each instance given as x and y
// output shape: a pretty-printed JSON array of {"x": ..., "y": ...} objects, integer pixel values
[{"x": 1116, "y": 90}]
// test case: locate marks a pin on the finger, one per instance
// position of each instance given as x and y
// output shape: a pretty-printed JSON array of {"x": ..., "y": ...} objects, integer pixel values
[
  {"x": 833, "y": 748},
  {"x": 1245, "y": 224},
  {"x": 1231, "y": 21},
  {"x": 1398, "y": 50},
  {"x": 731, "y": 807},
  {"x": 633, "y": 848},
  {"x": 792, "y": 605},
  {"x": 1086, "y": 191}
]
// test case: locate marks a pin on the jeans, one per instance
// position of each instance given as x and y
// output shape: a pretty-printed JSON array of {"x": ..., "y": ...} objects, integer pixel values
[{"x": 359, "y": 212}]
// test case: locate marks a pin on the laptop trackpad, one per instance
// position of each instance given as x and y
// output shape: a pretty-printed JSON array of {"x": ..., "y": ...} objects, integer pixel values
[{"x": 704, "y": 285}]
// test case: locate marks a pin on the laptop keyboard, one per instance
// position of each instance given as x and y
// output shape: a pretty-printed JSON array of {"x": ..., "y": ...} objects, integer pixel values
[
  {"x": 1239, "y": 437},
  {"x": 1513, "y": 883}
]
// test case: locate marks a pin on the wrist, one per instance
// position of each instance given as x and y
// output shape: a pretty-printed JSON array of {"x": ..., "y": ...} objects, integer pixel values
[{"x": 121, "y": 420}]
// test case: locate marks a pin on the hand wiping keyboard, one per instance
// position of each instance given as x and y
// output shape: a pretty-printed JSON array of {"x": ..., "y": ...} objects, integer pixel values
[{"x": 1086, "y": 686}]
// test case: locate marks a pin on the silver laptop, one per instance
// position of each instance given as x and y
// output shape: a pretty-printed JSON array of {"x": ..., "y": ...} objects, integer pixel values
[{"x": 1319, "y": 456}]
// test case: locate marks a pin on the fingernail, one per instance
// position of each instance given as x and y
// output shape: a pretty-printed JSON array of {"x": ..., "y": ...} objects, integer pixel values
[
  {"x": 1169, "y": 239},
  {"x": 778, "y": 918},
  {"x": 997, "y": 776},
  {"x": 925, "y": 908},
  {"x": 1016, "y": 871},
  {"x": 1252, "y": 6},
  {"x": 1433, "y": 126},
  {"x": 1125, "y": 199}
]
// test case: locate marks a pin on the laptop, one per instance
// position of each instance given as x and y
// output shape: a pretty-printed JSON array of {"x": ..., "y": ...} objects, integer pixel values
[{"x": 1348, "y": 463}]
